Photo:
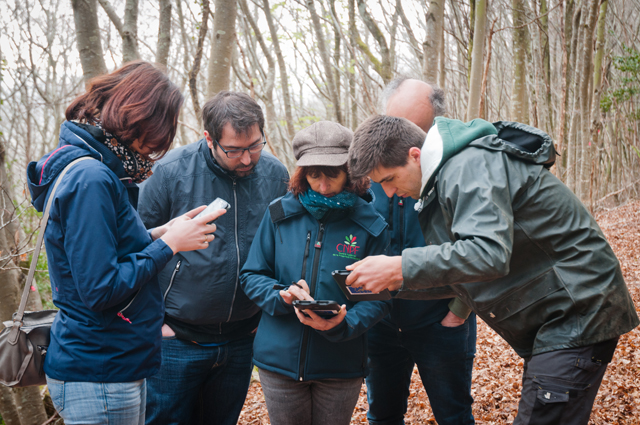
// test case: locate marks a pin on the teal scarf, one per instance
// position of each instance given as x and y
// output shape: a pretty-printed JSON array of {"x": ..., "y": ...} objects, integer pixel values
[{"x": 318, "y": 205}]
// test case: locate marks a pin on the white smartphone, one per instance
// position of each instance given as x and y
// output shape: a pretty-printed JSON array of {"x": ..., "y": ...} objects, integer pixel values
[{"x": 217, "y": 204}]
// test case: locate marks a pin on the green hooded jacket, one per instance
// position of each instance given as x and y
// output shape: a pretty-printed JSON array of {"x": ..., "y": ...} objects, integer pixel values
[{"x": 512, "y": 241}]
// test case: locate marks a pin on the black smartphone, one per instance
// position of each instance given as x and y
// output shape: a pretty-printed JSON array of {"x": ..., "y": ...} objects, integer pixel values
[
  {"x": 357, "y": 294},
  {"x": 323, "y": 308}
]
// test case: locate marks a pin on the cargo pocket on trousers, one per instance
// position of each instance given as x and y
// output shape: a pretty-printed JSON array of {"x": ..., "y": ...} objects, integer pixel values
[{"x": 549, "y": 407}]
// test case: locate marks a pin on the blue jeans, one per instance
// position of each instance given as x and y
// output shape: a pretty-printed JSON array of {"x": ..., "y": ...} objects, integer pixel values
[
  {"x": 200, "y": 385},
  {"x": 444, "y": 357},
  {"x": 93, "y": 403}
]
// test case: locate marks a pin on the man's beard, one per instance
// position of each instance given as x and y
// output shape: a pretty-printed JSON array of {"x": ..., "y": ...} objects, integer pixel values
[
  {"x": 234, "y": 172},
  {"x": 244, "y": 173}
]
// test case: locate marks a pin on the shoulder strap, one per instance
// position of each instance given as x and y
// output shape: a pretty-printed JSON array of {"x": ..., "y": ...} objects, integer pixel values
[{"x": 36, "y": 253}]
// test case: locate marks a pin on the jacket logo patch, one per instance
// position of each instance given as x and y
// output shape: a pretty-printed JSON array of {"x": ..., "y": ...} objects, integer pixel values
[{"x": 348, "y": 249}]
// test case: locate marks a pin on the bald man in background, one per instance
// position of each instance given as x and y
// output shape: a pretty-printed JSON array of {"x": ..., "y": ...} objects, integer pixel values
[{"x": 438, "y": 336}]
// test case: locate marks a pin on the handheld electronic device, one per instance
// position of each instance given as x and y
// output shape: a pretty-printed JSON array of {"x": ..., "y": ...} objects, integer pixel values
[
  {"x": 217, "y": 204},
  {"x": 323, "y": 308},
  {"x": 357, "y": 294}
]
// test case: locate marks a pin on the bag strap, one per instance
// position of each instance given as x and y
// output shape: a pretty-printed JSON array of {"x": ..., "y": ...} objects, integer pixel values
[{"x": 17, "y": 320}]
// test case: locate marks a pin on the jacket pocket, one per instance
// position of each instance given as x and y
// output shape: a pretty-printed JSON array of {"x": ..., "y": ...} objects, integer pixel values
[
  {"x": 533, "y": 314},
  {"x": 522, "y": 297}
]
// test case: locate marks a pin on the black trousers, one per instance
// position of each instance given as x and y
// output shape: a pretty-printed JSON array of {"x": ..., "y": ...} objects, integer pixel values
[{"x": 559, "y": 387}]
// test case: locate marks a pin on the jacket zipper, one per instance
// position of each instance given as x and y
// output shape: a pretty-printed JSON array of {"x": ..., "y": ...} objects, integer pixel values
[
  {"x": 235, "y": 226},
  {"x": 401, "y": 217},
  {"x": 306, "y": 255},
  {"x": 312, "y": 291},
  {"x": 173, "y": 276},
  {"x": 391, "y": 213}
]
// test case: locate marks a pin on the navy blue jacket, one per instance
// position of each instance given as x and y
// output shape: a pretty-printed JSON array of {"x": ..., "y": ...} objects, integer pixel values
[
  {"x": 405, "y": 232},
  {"x": 291, "y": 243},
  {"x": 102, "y": 265},
  {"x": 202, "y": 287}
]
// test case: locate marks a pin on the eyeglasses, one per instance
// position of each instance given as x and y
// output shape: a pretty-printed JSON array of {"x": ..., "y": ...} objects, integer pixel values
[{"x": 237, "y": 153}]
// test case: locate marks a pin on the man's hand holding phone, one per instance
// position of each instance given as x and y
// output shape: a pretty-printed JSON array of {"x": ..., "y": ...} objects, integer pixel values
[{"x": 376, "y": 273}]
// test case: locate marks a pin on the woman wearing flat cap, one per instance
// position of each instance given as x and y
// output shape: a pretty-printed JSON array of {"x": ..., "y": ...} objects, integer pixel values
[{"x": 312, "y": 366}]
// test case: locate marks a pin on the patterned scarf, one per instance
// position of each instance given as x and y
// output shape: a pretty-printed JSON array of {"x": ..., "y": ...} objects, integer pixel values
[
  {"x": 135, "y": 165},
  {"x": 318, "y": 205}
]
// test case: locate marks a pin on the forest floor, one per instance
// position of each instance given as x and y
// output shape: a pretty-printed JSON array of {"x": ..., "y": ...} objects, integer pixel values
[{"x": 497, "y": 369}]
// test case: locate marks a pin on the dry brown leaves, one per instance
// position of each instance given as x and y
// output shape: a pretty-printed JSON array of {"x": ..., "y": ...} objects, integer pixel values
[{"x": 497, "y": 371}]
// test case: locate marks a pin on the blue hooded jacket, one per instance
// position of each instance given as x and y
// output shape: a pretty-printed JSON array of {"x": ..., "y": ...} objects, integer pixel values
[
  {"x": 405, "y": 232},
  {"x": 102, "y": 265},
  {"x": 291, "y": 243}
]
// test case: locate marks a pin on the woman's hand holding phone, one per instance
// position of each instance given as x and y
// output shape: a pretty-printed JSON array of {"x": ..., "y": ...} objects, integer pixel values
[
  {"x": 314, "y": 321},
  {"x": 297, "y": 291},
  {"x": 186, "y": 233}
]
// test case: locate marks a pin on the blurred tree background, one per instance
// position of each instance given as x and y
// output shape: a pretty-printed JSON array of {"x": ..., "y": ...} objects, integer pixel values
[{"x": 568, "y": 67}]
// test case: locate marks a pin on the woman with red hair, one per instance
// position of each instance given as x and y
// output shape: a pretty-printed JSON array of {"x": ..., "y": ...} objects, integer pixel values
[{"x": 105, "y": 340}]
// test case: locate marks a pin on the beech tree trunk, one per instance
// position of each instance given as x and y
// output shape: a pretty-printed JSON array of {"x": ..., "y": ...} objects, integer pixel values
[
  {"x": 326, "y": 61},
  {"x": 164, "y": 32},
  {"x": 197, "y": 60},
  {"x": 88, "y": 39},
  {"x": 475, "y": 80},
  {"x": 382, "y": 66},
  {"x": 128, "y": 30},
  {"x": 585, "y": 68},
  {"x": 282, "y": 67},
  {"x": 353, "y": 38},
  {"x": 519, "y": 94},
  {"x": 8, "y": 409},
  {"x": 596, "y": 119},
  {"x": 572, "y": 141},
  {"x": 17, "y": 405},
  {"x": 431, "y": 46},
  {"x": 224, "y": 38}
]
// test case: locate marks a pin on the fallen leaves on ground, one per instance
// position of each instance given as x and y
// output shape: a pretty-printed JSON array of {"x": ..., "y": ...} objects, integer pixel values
[{"x": 497, "y": 370}]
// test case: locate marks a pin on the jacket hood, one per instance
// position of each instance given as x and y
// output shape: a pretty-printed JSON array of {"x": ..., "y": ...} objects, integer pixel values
[
  {"x": 522, "y": 141},
  {"x": 448, "y": 137},
  {"x": 364, "y": 214},
  {"x": 75, "y": 142}
]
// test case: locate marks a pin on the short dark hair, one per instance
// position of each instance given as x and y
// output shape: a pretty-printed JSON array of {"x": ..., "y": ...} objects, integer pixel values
[
  {"x": 299, "y": 184},
  {"x": 236, "y": 108},
  {"x": 382, "y": 141},
  {"x": 136, "y": 101},
  {"x": 436, "y": 98}
]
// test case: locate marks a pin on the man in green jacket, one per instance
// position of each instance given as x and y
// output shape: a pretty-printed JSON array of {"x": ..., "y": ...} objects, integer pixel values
[{"x": 511, "y": 241}]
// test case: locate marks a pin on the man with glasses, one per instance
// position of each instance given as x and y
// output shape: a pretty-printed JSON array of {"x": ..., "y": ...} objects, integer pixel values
[{"x": 207, "y": 335}]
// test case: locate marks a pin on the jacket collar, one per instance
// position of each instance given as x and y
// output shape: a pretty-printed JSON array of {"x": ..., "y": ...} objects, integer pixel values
[
  {"x": 75, "y": 142},
  {"x": 363, "y": 212}
]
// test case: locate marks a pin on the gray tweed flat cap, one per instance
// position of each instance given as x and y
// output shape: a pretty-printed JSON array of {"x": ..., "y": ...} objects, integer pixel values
[{"x": 323, "y": 143}]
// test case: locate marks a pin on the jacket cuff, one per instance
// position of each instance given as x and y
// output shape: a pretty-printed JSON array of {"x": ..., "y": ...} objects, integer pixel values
[
  {"x": 459, "y": 308},
  {"x": 160, "y": 252},
  {"x": 335, "y": 334}
]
